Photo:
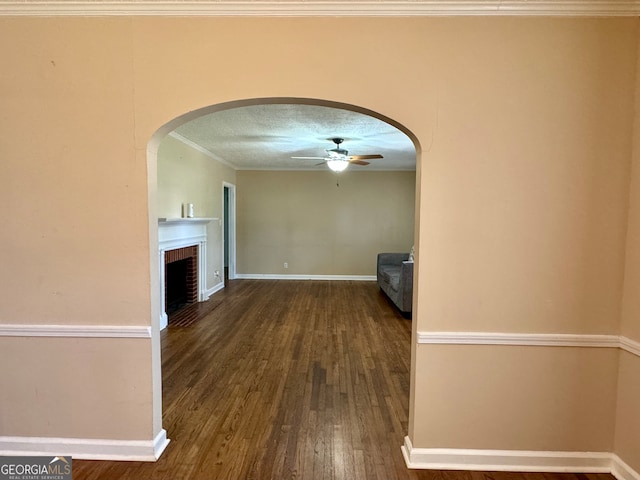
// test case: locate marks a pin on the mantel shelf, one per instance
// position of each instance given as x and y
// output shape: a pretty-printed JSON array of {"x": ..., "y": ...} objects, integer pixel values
[{"x": 175, "y": 221}]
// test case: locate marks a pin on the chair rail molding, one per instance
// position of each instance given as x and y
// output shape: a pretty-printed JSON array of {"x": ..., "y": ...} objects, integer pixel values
[
  {"x": 67, "y": 331},
  {"x": 530, "y": 339}
]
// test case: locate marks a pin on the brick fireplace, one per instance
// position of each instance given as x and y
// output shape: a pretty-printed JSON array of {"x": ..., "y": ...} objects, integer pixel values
[{"x": 182, "y": 248}]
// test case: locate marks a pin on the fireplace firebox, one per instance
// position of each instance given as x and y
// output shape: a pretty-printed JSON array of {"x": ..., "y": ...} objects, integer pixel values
[{"x": 181, "y": 278}]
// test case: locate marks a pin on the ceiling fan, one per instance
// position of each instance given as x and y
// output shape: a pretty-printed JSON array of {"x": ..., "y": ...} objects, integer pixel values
[{"x": 338, "y": 159}]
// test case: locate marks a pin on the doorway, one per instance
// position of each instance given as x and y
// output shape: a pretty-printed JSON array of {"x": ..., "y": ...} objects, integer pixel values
[
  {"x": 227, "y": 207},
  {"x": 229, "y": 230}
]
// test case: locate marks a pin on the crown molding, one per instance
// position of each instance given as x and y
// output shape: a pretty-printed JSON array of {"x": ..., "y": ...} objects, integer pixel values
[
  {"x": 298, "y": 8},
  {"x": 202, "y": 150}
]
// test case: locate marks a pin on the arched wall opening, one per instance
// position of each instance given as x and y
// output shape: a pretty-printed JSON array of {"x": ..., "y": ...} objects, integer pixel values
[{"x": 152, "y": 160}]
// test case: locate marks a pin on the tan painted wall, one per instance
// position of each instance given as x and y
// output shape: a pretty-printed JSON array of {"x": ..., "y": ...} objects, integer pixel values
[
  {"x": 540, "y": 251},
  {"x": 68, "y": 148},
  {"x": 74, "y": 238},
  {"x": 628, "y": 412},
  {"x": 627, "y": 416},
  {"x": 524, "y": 212},
  {"x": 516, "y": 398},
  {"x": 186, "y": 175},
  {"x": 525, "y": 129},
  {"x": 630, "y": 325},
  {"x": 318, "y": 228},
  {"x": 94, "y": 388}
]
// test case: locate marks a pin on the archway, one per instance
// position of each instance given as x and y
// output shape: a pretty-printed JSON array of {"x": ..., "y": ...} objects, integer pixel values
[{"x": 177, "y": 122}]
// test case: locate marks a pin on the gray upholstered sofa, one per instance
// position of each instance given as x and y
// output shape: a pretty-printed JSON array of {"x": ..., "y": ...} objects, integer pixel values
[{"x": 395, "y": 277}]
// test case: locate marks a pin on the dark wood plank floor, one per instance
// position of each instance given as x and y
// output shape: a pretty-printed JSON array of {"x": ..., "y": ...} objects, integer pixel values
[{"x": 288, "y": 380}]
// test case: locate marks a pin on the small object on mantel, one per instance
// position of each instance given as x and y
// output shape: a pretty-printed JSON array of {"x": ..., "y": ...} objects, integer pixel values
[{"x": 187, "y": 210}]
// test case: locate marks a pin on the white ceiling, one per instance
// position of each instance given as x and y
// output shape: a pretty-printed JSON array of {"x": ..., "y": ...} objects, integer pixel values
[{"x": 265, "y": 137}]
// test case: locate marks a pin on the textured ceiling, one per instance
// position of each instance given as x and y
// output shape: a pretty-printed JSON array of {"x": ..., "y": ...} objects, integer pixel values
[{"x": 265, "y": 137}]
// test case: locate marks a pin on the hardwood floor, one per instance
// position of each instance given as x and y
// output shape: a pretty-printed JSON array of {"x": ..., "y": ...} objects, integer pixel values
[{"x": 288, "y": 380}]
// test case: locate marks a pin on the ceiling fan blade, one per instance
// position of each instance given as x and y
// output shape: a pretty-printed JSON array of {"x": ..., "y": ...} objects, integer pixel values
[
  {"x": 365, "y": 157},
  {"x": 310, "y": 158},
  {"x": 358, "y": 162}
]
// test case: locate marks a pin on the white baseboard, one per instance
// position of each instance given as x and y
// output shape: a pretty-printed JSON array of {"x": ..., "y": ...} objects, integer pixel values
[
  {"x": 621, "y": 470},
  {"x": 516, "y": 461},
  {"x": 214, "y": 289},
  {"x": 86, "y": 448},
  {"x": 273, "y": 276}
]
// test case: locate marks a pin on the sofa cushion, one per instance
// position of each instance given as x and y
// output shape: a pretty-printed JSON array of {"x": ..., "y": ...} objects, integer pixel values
[{"x": 391, "y": 275}]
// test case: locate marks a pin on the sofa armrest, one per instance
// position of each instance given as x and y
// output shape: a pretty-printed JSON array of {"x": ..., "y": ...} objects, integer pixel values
[
  {"x": 406, "y": 276},
  {"x": 392, "y": 258},
  {"x": 406, "y": 291}
]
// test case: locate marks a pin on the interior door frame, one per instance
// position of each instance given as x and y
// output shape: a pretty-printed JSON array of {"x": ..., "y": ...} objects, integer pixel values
[{"x": 231, "y": 222}]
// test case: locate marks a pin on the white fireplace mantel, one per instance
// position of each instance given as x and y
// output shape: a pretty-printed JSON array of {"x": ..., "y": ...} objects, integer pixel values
[{"x": 178, "y": 233}]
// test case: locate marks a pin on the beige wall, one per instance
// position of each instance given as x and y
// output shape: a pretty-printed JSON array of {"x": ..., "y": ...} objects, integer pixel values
[
  {"x": 525, "y": 187},
  {"x": 75, "y": 237},
  {"x": 540, "y": 251},
  {"x": 93, "y": 388},
  {"x": 627, "y": 417},
  {"x": 525, "y": 128},
  {"x": 186, "y": 175},
  {"x": 318, "y": 228},
  {"x": 628, "y": 411},
  {"x": 516, "y": 398}
]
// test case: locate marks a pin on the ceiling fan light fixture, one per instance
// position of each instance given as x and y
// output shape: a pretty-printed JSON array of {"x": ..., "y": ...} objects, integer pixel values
[{"x": 338, "y": 165}]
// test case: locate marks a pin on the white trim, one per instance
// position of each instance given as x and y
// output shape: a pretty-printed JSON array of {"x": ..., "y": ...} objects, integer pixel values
[
  {"x": 214, "y": 289},
  {"x": 271, "y": 276},
  {"x": 630, "y": 346},
  {"x": 87, "y": 448},
  {"x": 621, "y": 470},
  {"x": 530, "y": 340},
  {"x": 298, "y": 8},
  {"x": 506, "y": 460},
  {"x": 523, "y": 339},
  {"x": 164, "y": 320},
  {"x": 86, "y": 331},
  {"x": 200, "y": 149}
]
